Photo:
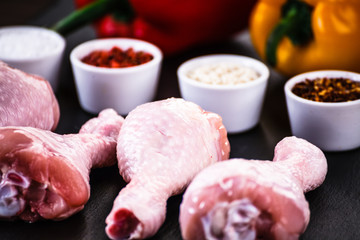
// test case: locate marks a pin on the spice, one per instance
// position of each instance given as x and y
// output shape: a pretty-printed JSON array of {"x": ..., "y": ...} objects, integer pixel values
[
  {"x": 117, "y": 58},
  {"x": 223, "y": 73},
  {"x": 328, "y": 89}
]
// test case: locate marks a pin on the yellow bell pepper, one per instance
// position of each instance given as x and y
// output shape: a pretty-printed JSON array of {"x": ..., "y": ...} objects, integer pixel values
[{"x": 297, "y": 36}]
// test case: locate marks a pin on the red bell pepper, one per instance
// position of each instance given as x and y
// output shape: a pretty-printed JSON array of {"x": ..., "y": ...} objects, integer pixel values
[{"x": 172, "y": 25}]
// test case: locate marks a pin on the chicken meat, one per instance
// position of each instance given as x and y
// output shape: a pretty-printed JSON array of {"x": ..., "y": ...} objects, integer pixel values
[
  {"x": 45, "y": 175},
  {"x": 26, "y": 100},
  {"x": 161, "y": 147},
  {"x": 254, "y": 199}
]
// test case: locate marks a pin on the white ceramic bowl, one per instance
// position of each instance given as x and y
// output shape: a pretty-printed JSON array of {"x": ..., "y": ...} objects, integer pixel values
[
  {"x": 239, "y": 105},
  {"x": 34, "y": 50},
  {"x": 119, "y": 88},
  {"x": 330, "y": 126}
]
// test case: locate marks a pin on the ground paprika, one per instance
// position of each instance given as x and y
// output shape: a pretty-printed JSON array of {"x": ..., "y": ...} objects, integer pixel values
[{"x": 172, "y": 25}]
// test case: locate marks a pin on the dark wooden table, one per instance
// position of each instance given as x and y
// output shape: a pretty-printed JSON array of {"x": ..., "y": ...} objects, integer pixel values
[{"x": 335, "y": 206}]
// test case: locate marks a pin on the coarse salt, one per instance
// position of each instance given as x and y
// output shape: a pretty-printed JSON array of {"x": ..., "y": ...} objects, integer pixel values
[
  {"x": 223, "y": 73},
  {"x": 27, "y": 43}
]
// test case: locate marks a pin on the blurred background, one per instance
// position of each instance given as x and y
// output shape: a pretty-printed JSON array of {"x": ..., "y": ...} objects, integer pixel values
[{"x": 13, "y": 12}]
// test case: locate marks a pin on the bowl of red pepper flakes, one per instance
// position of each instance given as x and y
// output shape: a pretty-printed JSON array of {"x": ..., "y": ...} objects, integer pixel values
[
  {"x": 117, "y": 58},
  {"x": 324, "y": 108},
  {"x": 118, "y": 73}
]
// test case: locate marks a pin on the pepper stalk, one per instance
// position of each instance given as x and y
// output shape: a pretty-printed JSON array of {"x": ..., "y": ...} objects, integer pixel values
[
  {"x": 295, "y": 23},
  {"x": 91, "y": 12}
]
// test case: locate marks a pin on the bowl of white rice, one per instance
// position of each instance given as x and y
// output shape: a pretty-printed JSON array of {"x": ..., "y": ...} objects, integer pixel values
[{"x": 230, "y": 85}]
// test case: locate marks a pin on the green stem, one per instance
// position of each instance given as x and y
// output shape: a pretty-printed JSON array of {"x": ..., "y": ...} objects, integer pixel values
[
  {"x": 276, "y": 35},
  {"x": 295, "y": 24},
  {"x": 85, "y": 16}
]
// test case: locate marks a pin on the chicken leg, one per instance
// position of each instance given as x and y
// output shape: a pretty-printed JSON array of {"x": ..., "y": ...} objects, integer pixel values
[
  {"x": 26, "y": 100},
  {"x": 161, "y": 147},
  {"x": 45, "y": 175},
  {"x": 253, "y": 199}
]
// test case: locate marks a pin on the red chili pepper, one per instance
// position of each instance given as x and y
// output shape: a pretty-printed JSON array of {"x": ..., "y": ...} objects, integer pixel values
[{"x": 172, "y": 25}]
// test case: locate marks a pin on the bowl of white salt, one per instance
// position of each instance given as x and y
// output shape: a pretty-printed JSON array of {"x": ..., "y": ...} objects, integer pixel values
[
  {"x": 34, "y": 50},
  {"x": 230, "y": 85}
]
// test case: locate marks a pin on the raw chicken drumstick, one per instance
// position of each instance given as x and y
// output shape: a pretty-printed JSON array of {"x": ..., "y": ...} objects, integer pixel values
[
  {"x": 253, "y": 199},
  {"x": 161, "y": 147},
  {"x": 45, "y": 175},
  {"x": 26, "y": 100}
]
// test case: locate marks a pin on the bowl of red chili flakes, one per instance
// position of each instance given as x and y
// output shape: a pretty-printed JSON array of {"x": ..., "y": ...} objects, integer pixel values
[
  {"x": 324, "y": 108},
  {"x": 118, "y": 73}
]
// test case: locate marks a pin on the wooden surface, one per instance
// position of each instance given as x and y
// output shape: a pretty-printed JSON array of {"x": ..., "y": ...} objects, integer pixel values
[{"x": 335, "y": 206}]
